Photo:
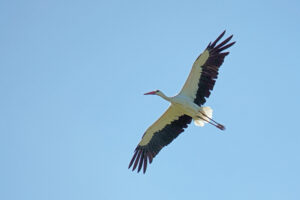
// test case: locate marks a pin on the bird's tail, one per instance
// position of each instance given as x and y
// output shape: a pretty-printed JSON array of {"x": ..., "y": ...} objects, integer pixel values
[{"x": 205, "y": 116}]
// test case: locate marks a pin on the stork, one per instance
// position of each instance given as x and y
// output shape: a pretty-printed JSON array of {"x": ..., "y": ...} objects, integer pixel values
[{"x": 185, "y": 106}]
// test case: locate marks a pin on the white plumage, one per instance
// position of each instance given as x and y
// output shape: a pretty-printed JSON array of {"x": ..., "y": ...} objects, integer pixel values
[
  {"x": 203, "y": 119},
  {"x": 185, "y": 106}
]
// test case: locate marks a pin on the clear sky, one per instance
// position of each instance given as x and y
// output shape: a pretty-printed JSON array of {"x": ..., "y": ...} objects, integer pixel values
[{"x": 72, "y": 75}]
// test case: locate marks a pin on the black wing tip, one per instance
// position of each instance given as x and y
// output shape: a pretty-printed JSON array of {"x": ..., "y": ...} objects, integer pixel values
[
  {"x": 140, "y": 159},
  {"x": 213, "y": 45},
  {"x": 211, "y": 67},
  {"x": 144, "y": 154},
  {"x": 133, "y": 158},
  {"x": 217, "y": 40}
]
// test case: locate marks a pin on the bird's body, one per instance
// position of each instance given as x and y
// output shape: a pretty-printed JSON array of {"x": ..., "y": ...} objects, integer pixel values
[
  {"x": 185, "y": 107},
  {"x": 182, "y": 103}
]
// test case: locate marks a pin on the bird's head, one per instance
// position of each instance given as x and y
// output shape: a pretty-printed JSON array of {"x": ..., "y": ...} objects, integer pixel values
[{"x": 156, "y": 92}]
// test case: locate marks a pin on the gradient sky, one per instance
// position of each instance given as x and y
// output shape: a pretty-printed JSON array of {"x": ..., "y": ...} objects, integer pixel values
[{"x": 72, "y": 75}]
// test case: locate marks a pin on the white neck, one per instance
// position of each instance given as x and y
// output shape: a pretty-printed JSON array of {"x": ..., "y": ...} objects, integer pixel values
[{"x": 162, "y": 95}]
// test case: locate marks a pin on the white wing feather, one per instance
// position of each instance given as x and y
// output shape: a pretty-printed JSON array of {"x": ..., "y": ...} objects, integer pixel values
[
  {"x": 191, "y": 85},
  {"x": 168, "y": 117}
]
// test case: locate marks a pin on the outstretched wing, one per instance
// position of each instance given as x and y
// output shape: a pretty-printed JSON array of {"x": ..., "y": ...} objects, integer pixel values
[
  {"x": 158, "y": 135},
  {"x": 204, "y": 73}
]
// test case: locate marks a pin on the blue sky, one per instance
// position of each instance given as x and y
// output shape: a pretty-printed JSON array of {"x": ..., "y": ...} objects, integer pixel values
[{"x": 72, "y": 75}]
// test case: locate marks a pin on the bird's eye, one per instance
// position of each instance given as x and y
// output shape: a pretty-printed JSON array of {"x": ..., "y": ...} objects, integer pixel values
[{"x": 157, "y": 90}]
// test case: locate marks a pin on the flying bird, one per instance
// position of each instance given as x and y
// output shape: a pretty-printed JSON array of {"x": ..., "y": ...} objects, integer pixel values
[{"x": 185, "y": 107}]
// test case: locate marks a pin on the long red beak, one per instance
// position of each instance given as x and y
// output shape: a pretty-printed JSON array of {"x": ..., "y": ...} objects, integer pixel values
[{"x": 154, "y": 92}]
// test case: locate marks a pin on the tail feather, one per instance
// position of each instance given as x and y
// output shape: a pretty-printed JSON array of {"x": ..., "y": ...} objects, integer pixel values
[{"x": 203, "y": 119}]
